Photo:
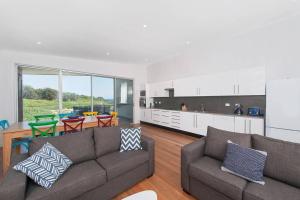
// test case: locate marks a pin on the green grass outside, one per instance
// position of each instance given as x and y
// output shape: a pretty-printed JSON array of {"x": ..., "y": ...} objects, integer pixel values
[{"x": 32, "y": 107}]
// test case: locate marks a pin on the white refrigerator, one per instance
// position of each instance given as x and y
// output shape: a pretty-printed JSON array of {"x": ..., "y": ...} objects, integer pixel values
[{"x": 283, "y": 110}]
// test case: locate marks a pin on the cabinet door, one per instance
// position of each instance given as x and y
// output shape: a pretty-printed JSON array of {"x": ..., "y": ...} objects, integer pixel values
[
  {"x": 256, "y": 126},
  {"x": 185, "y": 87},
  {"x": 142, "y": 115},
  {"x": 224, "y": 122},
  {"x": 165, "y": 118},
  {"x": 148, "y": 115},
  {"x": 188, "y": 122},
  {"x": 202, "y": 122},
  {"x": 156, "y": 119},
  {"x": 251, "y": 81},
  {"x": 240, "y": 125}
]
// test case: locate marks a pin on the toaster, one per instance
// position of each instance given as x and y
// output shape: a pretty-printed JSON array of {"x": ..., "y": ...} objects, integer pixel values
[{"x": 254, "y": 111}]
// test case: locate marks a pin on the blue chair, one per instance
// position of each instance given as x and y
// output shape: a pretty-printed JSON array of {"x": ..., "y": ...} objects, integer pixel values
[
  {"x": 16, "y": 142},
  {"x": 67, "y": 115},
  {"x": 4, "y": 124}
]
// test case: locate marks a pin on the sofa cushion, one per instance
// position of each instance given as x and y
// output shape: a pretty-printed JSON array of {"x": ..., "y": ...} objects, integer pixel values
[
  {"x": 78, "y": 179},
  {"x": 130, "y": 139},
  {"x": 45, "y": 166},
  {"x": 216, "y": 142},
  {"x": 282, "y": 163},
  {"x": 245, "y": 162},
  {"x": 78, "y": 147},
  {"x": 118, "y": 163},
  {"x": 107, "y": 140},
  {"x": 208, "y": 171},
  {"x": 272, "y": 190}
]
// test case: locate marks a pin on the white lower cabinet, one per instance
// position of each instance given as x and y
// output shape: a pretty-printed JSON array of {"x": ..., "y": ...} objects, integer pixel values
[
  {"x": 224, "y": 122},
  {"x": 188, "y": 122},
  {"x": 148, "y": 115},
  {"x": 176, "y": 120},
  {"x": 197, "y": 123},
  {"x": 142, "y": 114},
  {"x": 203, "y": 121},
  {"x": 249, "y": 125}
]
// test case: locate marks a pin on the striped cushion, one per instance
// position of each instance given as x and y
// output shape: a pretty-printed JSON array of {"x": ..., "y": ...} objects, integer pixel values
[
  {"x": 245, "y": 162},
  {"x": 130, "y": 139},
  {"x": 45, "y": 166}
]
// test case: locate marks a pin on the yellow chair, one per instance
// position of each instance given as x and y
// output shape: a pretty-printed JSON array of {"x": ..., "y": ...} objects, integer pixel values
[
  {"x": 114, "y": 114},
  {"x": 86, "y": 114}
]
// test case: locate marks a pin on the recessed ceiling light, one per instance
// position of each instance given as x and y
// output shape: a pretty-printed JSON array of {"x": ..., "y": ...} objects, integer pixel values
[
  {"x": 38, "y": 43},
  {"x": 107, "y": 53},
  {"x": 145, "y": 25},
  {"x": 187, "y": 42}
]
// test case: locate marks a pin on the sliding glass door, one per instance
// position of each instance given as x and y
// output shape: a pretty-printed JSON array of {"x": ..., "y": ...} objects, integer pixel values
[
  {"x": 103, "y": 94},
  {"x": 124, "y": 99},
  {"x": 54, "y": 91},
  {"x": 76, "y": 93}
]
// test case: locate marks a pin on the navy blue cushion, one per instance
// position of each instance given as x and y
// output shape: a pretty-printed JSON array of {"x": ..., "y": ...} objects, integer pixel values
[{"x": 245, "y": 162}]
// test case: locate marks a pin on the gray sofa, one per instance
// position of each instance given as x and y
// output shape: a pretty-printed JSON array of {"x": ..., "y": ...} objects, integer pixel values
[
  {"x": 99, "y": 171},
  {"x": 202, "y": 177}
]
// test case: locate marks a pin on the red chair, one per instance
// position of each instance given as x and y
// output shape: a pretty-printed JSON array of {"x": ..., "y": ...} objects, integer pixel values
[
  {"x": 104, "y": 120},
  {"x": 73, "y": 125}
]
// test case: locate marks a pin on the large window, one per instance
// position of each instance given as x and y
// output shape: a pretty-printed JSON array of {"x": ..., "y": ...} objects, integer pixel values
[
  {"x": 76, "y": 92},
  {"x": 103, "y": 94},
  {"x": 54, "y": 91},
  {"x": 39, "y": 93}
]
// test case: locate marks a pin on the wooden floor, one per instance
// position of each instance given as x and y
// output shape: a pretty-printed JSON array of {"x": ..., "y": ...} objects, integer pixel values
[{"x": 166, "y": 180}]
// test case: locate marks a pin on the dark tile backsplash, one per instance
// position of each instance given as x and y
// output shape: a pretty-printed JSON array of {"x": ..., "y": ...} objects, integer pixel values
[{"x": 212, "y": 104}]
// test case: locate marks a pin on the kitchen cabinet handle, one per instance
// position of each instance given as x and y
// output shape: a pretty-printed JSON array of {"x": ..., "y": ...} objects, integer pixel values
[
  {"x": 245, "y": 123},
  {"x": 238, "y": 88},
  {"x": 234, "y": 89},
  {"x": 199, "y": 91},
  {"x": 250, "y": 126},
  {"x": 196, "y": 121}
]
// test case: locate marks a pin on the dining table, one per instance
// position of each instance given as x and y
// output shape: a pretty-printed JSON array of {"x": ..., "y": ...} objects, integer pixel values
[{"x": 23, "y": 130}]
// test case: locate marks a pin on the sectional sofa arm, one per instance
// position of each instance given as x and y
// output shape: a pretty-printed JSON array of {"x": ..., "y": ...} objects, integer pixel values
[
  {"x": 13, "y": 186},
  {"x": 189, "y": 154},
  {"x": 148, "y": 145}
]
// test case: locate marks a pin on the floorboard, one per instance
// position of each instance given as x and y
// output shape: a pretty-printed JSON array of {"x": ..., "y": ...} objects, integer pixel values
[{"x": 166, "y": 180}]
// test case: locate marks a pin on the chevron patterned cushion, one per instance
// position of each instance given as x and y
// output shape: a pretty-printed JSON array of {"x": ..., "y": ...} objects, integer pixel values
[
  {"x": 130, "y": 139},
  {"x": 245, "y": 162},
  {"x": 45, "y": 166}
]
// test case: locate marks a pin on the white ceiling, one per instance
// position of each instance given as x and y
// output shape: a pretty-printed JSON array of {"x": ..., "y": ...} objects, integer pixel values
[{"x": 92, "y": 28}]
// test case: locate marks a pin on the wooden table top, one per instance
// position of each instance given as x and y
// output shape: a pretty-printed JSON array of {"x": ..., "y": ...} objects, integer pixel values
[{"x": 23, "y": 126}]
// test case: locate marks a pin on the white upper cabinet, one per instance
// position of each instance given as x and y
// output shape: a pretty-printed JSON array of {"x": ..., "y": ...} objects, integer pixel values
[
  {"x": 231, "y": 83},
  {"x": 159, "y": 89},
  {"x": 187, "y": 87},
  {"x": 251, "y": 81}
]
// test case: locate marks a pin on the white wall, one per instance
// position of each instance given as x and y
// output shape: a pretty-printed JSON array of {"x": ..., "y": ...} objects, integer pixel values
[
  {"x": 275, "y": 46},
  {"x": 8, "y": 75}
]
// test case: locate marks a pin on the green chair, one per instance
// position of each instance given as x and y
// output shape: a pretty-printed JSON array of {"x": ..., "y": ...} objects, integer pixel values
[
  {"x": 48, "y": 117},
  {"x": 45, "y": 129}
]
